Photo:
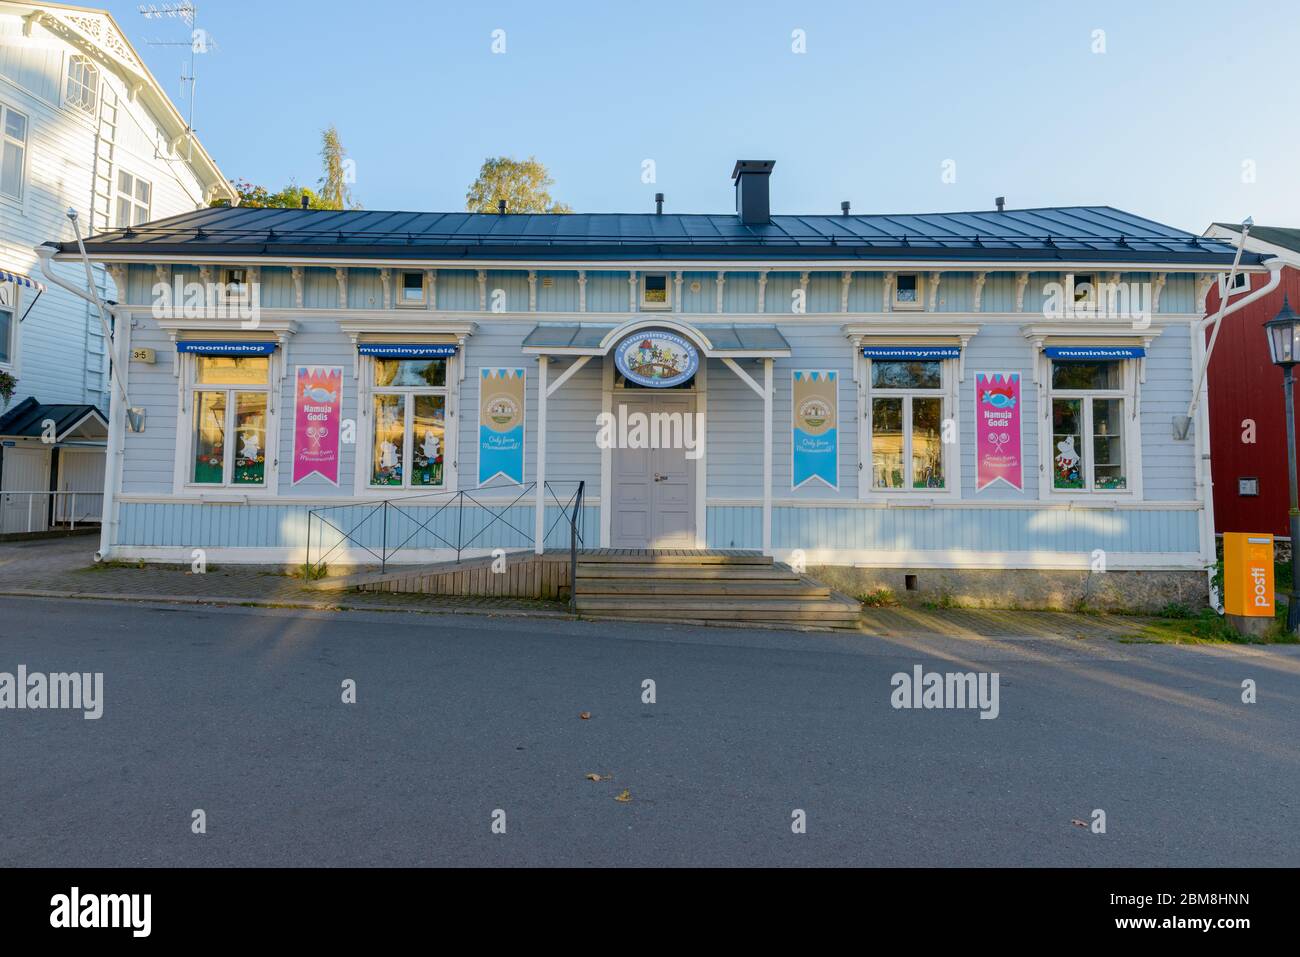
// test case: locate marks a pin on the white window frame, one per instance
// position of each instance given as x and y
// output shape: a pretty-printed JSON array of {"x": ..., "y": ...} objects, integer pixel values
[
  {"x": 1242, "y": 281},
  {"x": 1128, "y": 393},
  {"x": 398, "y": 297},
  {"x": 948, "y": 391},
  {"x": 191, "y": 387},
  {"x": 901, "y": 306},
  {"x": 667, "y": 304},
  {"x": 11, "y": 302},
  {"x": 24, "y": 145},
  {"x": 131, "y": 198},
  {"x": 450, "y": 437},
  {"x": 77, "y": 103}
]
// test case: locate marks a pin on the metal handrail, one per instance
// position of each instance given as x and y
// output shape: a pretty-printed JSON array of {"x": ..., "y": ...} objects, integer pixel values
[
  {"x": 51, "y": 513},
  {"x": 570, "y": 512}
]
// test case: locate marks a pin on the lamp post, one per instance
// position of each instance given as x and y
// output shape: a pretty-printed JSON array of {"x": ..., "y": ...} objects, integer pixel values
[{"x": 1284, "y": 347}]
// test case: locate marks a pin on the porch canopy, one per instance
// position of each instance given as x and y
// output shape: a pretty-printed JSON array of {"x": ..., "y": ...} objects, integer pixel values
[{"x": 729, "y": 342}]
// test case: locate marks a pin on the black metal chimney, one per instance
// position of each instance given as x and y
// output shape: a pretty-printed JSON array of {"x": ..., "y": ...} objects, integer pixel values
[
  {"x": 306, "y": 203},
  {"x": 659, "y": 204},
  {"x": 501, "y": 207},
  {"x": 1001, "y": 202},
  {"x": 752, "y": 203},
  {"x": 844, "y": 208}
]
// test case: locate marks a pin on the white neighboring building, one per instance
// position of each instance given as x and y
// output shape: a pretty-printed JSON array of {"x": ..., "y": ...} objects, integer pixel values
[{"x": 83, "y": 125}]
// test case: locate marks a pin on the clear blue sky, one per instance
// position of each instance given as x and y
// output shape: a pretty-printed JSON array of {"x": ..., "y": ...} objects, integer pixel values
[{"x": 1159, "y": 124}]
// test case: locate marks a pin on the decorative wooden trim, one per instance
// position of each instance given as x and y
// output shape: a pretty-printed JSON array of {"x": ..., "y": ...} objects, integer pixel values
[
  {"x": 934, "y": 290},
  {"x": 722, "y": 281},
  {"x": 888, "y": 279},
  {"x": 633, "y": 305},
  {"x": 846, "y": 283},
  {"x": 677, "y": 291},
  {"x": 1157, "y": 287},
  {"x": 1022, "y": 280},
  {"x": 1204, "y": 280},
  {"x": 532, "y": 290},
  {"x": 482, "y": 290},
  {"x": 341, "y": 277},
  {"x": 762, "y": 290},
  {"x": 977, "y": 302},
  {"x": 582, "y": 290},
  {"x": 298, "y": 272}
]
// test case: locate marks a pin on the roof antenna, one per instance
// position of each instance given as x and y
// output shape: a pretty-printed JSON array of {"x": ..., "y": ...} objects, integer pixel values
[
  {"x": 659, "y": 204},
  {"x": 501, "y": 207},
  {"x": 844, "y": 208},
  {"x": 1001, "y": 203}
]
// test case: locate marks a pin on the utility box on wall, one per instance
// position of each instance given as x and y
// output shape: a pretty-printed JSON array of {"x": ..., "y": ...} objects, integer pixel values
[{"x": 1248, "y": 580}]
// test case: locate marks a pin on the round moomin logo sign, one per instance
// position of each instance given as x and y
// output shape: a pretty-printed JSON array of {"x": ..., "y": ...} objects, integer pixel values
[{"x": 656, "y": 358}]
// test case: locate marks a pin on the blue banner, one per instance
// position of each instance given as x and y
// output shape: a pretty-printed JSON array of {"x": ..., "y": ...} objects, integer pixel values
[
  {"x": 501, "y": 425},
  {"x": 816, "y": 443},
  {"x": 1094, "y": 353},
  {"x": 911, "y": 352},
  {"x": 392, "y": 350},
  {"x": 226, "y": 348}
]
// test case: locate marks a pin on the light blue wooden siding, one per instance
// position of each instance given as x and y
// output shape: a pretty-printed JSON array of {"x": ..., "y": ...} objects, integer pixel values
[
  {"x": 1179, "y": 294},
  {"x": 779, "y": 299},
  {"x": 704, "y": 299},
  {"x": 866, "y": 292},
  {"x": 824, "y": 292},
  {"x": 740, "y": 292},
  {"x": 177, "y": 525},
  {"x": 149, "y": 457},
  {"x": 607, "y": 291},
  {"x": 365, "y": 291},
  {"x": 320, "y": 288},
  {"x": 507, "y": 291},
  {"x": 457, "y": 290},
  {"x": 999, "y": 293},
  {"x": 561, "y": 295},
  {"x": 958, "y": 529},
  {"x": 956, "y": 292},
  {"x": 1168, "y": 465}
]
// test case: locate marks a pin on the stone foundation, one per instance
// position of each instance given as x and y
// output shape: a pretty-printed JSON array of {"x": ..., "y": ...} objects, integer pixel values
[{"x": 1137, "y": 591}]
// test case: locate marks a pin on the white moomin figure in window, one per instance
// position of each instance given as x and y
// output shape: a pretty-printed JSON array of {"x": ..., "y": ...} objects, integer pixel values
[
  {"x": 1067, "y": 458},
  {"x": 387, "y": 455},
  {"x": 431, "y": 446},
  {"x": 251, "y": 446}
]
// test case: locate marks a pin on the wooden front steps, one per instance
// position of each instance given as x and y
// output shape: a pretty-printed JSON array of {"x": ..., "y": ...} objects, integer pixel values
[{"x": 706, "y": 586}]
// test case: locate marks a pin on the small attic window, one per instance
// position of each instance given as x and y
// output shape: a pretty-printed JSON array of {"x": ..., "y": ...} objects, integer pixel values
[
  {"x": 1085, "y": 287},
  {"x": 907, "y": 291},
  {"x": 411, "y": 289},
  {"x": 1240, "y": 283},
  {"x": 82, "y": 91},
  {"x": 654, "y": 291}
]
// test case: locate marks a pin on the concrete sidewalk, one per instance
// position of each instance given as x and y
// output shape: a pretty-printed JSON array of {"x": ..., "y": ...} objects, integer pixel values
[{"x": 65, "y": 568}]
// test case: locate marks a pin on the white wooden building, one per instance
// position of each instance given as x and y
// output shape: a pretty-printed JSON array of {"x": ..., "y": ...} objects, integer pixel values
[{"x": 83, "y": 126}]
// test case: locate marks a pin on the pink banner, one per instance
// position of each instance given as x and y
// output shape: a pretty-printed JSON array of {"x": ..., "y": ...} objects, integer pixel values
[
  {"x": 997, "y": 430},
  {"x": 317, "y": 415}
]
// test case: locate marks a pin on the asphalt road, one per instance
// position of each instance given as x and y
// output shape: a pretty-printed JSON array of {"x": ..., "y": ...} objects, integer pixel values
[{"x": 238, "y": 711}]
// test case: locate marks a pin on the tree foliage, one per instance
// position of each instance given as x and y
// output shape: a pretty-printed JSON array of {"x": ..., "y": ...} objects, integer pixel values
[
  {"x": 290, "y": 197},
  {"x": 334, "y": 193},
  {"x": 523, "y": 184}
]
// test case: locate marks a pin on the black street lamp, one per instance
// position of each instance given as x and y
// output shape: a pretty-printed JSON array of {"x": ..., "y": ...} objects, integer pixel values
[{"x": 1284, "y": 347}]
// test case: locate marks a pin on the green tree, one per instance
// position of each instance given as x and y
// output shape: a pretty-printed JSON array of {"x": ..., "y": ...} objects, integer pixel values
[
  {"x": 524, "y": 185},
  {"x": 339, "y": 172},
  {"x": 290, "y": 197}
]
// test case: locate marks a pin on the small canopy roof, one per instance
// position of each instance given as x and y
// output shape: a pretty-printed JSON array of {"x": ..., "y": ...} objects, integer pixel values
[
  {"x": 722, "y": 340},
  {"x": 27, "y": 420}
]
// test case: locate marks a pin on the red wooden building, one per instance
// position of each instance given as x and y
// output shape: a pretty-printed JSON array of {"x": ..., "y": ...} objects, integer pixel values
[{"x": 1247, "y": 414}]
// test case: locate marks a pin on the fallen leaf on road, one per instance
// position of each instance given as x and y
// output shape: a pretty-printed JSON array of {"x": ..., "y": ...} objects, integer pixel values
[
  {"x": 596, "y": 777},
  {"x": 1079, "y": 823},
  {"x": 625, "y": 796},
  {"x": 585, "y": 715}
]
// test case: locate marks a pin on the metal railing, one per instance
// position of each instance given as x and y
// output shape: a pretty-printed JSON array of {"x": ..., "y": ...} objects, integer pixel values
[
  {"x": 24, "y": 512},
  {"x": 387, "y": 526}
]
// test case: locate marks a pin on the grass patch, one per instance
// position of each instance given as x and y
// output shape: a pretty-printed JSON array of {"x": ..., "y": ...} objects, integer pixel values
[
  {"x": 112, "y": 563},
  {"x": 1175, "y": 627},
  {"x": 310, "y": 573},
  {"x": 879, "y": 598}
]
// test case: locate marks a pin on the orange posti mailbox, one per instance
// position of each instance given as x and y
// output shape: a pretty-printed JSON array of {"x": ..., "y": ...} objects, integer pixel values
[{"x": 1248, "y": 574}]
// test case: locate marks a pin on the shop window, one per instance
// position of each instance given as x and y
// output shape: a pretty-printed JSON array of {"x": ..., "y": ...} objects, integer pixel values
[
  {"x": 13, "y": 152},
  {"x": 229, "y": 420},
  {"x": 410, "y": 289},
  {"x": 82, "y": 90},
  {"x": 409, "y": 409},
  {"x": 6, "y": 323},
  {"x": 654, "y": 291},
  {"x": 1089, "y": 426},
  {"x": 133, "y": 198},
  {"x": 907, "y": 410},
  {"x": 907, "y": 291}
]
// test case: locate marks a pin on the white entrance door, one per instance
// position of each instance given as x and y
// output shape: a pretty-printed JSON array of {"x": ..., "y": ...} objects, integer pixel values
[
  {"x": 653, "y": 497},
  {"x": 25, "y": 470}
]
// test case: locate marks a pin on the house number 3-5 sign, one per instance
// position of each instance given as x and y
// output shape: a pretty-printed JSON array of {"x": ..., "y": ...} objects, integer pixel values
[{"x": 656, "y": 358}]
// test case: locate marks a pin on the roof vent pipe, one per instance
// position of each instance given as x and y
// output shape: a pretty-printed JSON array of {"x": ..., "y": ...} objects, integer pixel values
[
  {"x": 659, "y": 204},
  {"x": 501, "y": 206},
  {"x": 306, "y": 202},
  {"x": 1001, "y": 203},
  {"x": 844, "y": 208}
]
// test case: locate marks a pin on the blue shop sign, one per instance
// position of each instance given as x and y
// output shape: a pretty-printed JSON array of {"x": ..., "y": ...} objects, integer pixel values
[
  {"x": 236, "y": 348},
  {"x": 402, "y": 350}
]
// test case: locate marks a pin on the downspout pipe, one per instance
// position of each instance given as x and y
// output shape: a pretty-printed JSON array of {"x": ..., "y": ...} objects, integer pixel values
[
  {"x": 1201, "y": 412},
  {"x": 117, "y": 404}
]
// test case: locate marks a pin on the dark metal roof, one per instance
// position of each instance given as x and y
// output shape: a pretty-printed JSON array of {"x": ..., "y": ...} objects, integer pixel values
[
  {"x": 1091, "y": 233},
  {"x": 27, "y": 419}
]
